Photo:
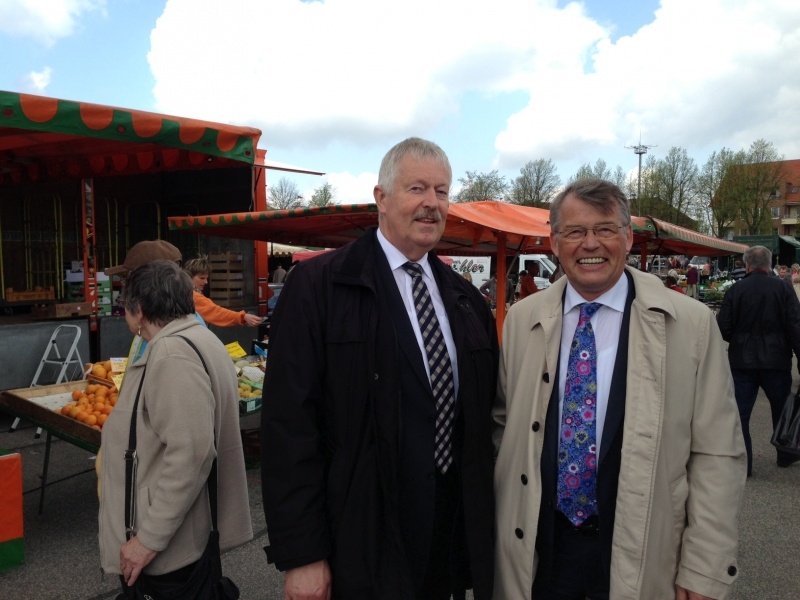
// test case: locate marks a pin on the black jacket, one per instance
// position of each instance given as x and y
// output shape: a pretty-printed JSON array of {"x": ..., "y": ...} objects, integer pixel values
[
  {"x": 760, "y": 318},
  {"x": 333, "y": 425}
]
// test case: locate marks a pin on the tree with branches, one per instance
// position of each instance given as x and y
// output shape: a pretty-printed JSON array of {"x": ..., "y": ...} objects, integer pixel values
[
  {"x": 284, "y": 194},
  {"x": 482, "y": 186},
  {"x": 536, "y": 185},
  {"x": 753, "y": 184},
  {"x": 323, "y": 196}
]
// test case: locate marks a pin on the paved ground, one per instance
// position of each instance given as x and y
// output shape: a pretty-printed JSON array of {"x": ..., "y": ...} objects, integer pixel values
[{"x": 62, "y": 559}]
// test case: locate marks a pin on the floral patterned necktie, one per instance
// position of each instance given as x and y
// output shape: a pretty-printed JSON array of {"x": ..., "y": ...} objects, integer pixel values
[{"x": 577, "y": 451}]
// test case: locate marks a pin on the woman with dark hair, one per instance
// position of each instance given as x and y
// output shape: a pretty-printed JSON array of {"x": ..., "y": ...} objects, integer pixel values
[
  {"x": 187, "y": 415},
  {"x": 199, "y": 269}
]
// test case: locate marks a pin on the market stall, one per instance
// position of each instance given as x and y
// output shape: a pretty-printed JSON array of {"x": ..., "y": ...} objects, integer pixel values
[{"x": 473, "y": 228}]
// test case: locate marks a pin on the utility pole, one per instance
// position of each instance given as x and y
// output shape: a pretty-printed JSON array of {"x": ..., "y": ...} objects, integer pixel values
[{"x": 640, "y": 149}]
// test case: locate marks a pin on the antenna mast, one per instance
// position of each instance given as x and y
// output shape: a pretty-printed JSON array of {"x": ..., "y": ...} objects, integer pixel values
[{"x": 639, "y": 150}]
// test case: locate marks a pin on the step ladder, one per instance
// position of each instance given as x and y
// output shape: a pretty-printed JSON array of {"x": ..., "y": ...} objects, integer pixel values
[{"x": 64, "y": 339}]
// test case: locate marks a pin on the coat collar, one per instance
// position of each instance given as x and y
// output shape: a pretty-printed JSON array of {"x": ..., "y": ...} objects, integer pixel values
[{"x": 650, "y": 296}]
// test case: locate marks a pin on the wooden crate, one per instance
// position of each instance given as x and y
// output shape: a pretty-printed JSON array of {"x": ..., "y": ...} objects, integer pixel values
[
  {"x": 30, "y": 295},
  {"x": 228, "y": 261},
  {"x": 60, "y": 311}
]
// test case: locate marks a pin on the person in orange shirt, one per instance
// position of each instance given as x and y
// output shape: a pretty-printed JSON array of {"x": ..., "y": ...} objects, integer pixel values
[
  {"x": 527, "y": 283},
  {"x": 199, "y": 269}
]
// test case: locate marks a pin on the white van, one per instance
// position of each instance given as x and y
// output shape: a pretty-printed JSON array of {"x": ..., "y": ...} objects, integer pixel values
[{"x": 546, "y": 268}]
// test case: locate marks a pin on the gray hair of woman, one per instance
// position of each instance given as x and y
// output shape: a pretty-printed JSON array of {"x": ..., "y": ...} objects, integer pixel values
[
  {"x": 602, "y": 195},
  {"x": 160, "y": 290}
]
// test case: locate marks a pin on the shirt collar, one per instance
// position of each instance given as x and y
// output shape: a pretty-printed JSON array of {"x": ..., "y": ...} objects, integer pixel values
[
  {"x": 614, "y": 298},
  {"x": 397, "y": 259}
]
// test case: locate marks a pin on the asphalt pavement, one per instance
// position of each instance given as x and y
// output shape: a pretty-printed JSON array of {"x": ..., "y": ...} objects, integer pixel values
[{"x": 62, "y": 558}]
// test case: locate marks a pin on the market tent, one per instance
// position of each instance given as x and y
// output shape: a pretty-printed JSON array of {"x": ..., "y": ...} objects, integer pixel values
[
  {"x": 47, "y": 139},
  {"x": 653, "y": 236},
  {"x": 475, "y": 228},
  {"x": 472, "y": 228}
]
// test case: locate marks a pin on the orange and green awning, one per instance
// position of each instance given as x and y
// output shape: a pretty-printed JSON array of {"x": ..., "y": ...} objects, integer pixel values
[{"x": 46, "y": 139}]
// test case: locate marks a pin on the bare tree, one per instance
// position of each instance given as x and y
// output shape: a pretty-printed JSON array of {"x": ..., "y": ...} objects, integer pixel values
[
  {"x": 676, "y": 183},
  {"x": 323, "y": 196},
  {"x": 482, "y": 186},
  {"x": 537, "y": 183},
  {"x": 284, "y": 194}
]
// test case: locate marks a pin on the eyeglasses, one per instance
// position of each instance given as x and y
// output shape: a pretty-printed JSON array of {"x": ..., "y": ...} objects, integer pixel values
[{"x": 576, "y": 234}]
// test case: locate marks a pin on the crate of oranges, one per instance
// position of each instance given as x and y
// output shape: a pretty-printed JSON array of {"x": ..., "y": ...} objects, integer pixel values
[
  {"x": 92, "y": 404},
  {"x": 109, "y": 371}
]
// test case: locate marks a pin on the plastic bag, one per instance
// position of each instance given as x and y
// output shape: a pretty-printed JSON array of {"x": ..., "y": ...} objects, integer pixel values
[{"x": 786, "y": 436}]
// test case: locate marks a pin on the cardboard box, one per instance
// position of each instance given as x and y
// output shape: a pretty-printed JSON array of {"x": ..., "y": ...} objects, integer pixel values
[{"x": 12, "y": 550}]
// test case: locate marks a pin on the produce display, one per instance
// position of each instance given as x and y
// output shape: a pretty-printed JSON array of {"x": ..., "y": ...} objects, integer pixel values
[{"x": 92, "y": 405}]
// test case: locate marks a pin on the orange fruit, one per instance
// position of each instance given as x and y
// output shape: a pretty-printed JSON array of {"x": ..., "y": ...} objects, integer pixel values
[
  {"x": 82, "y": 416},
  {"x": 77, "y": 394},
  {"x": 99, "y": 406},
  {"x": 73, "y": 412},
  {"x": 101, "y": 391},
  {"x": 107, "y": 409},
  {"x": 90, "y": 420},
  {"x": 112, "y": 401},
  {"x": 101, "y": 420},
  {"x": 90, "y": 389},
  {"x": 99, "y": 371},
  {"x": 65, "y": 410}
]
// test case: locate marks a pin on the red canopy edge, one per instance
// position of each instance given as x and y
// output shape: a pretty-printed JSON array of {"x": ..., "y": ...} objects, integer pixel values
[{"x": 43, "y": 137}]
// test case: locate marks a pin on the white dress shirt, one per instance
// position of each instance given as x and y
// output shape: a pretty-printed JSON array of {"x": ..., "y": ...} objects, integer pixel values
[
  {"x": 396, "y": 261},
  {"x": 606, "y": 324}
]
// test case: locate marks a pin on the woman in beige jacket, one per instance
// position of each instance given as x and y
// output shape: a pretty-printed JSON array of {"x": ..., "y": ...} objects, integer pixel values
[{"x": 182, "y": 408}]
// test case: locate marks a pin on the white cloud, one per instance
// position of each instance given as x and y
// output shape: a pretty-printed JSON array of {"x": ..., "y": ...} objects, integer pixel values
[
  {"x": 37, "y": 81},
  {"x": 45, "y": 21},
  {"x": 363, "y": 73}
]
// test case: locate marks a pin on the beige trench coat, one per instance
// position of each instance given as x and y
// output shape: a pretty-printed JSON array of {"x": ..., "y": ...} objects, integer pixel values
[{"x": 683, "y": 459}]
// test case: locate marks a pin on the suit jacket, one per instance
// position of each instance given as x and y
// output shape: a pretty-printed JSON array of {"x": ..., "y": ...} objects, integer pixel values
[
  {"x": 682, "y": 459},
  {"x": 347, "y": 430},
  {"x": 608, "y": 463}
]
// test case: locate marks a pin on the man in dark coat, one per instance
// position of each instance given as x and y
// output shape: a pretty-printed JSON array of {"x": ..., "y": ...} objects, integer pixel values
[
  {"x": 357, "y": 499},
  {"x": 760, "y": 318}
]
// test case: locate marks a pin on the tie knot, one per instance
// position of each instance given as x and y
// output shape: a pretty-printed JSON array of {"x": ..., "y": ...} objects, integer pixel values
[
  {"x": 413, "y": 269},
  {"x": 588, "y": 310}
]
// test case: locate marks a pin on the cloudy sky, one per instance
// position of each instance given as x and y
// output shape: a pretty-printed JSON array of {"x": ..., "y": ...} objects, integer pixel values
[{"x": 333, "y": 84}]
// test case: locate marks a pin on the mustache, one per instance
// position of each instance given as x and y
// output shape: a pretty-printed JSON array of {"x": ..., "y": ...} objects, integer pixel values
[{"x": 430, "y": 214}]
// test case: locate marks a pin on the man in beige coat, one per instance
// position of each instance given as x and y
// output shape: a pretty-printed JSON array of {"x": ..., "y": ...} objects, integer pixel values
[{"x": 669, "y": 453}]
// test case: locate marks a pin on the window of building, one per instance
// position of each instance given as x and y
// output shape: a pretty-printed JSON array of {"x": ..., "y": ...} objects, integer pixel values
[
  {"x": 776, "y": 212},
  {"x": 795, "y": 189}
]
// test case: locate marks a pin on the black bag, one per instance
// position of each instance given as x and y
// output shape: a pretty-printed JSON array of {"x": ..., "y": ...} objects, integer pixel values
[
  {"x": 786, "y": 436},
  {"x": 206, "y": 581}
]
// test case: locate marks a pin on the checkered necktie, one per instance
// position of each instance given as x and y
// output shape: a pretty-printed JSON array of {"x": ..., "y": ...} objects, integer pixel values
[
  {"x": 577, "y": 452},
  {"x": 441, "y": 370}
]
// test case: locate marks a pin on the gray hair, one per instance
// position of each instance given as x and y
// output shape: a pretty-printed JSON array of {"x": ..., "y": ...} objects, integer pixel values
[
  {"x": 415, "y": 148},
  {"x": 160, "y": 290},
  {"x": 602, "y": 195},
  {"x": 758, "y": 258}
]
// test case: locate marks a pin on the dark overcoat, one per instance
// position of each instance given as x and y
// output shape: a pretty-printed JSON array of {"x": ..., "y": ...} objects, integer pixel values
[{"x": 338, "y": 438}]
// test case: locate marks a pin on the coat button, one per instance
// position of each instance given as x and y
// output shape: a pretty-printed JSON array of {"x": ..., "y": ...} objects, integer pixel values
[
  {"x": 731, "y": 570},
  {"x": 375, "y": 376},
  {"x": 535, "y": 426},
  {"x": 518, "y": 532},
  {"x": 546, "y": 377},
  {"x": 524, "y": 479}
]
